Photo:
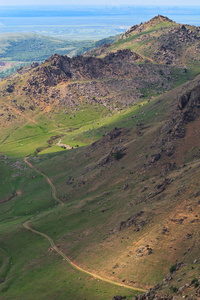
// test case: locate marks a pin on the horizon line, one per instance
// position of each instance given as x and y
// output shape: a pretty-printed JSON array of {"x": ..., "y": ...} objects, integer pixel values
[{"x": 105, "y": 5}]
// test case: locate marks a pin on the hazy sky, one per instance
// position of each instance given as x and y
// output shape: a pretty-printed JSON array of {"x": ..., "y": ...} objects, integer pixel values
[{"x": 101, "y": 2}]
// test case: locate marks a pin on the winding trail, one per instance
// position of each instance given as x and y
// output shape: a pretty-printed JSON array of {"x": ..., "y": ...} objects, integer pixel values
[
  {"x": 63, "y": 145},
  {"x": 28, "y": 227},
  {"x": 48, "y": 180}
]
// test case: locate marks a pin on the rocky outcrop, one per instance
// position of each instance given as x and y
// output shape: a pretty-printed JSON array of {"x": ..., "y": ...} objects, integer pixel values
[
  {"x": 134, "y": 221},
  {"x": 135, "y": 29},
  {"x": 81, "y": 67},
  {"x": 109, "y": 81},
  {"x": 115, "y": 154},
  {"x": 174, "y": 44},
  {"x": 118, "y": 297},
  {"x": 185, "y": 112},
  {"x": 170, "y": 48},
  {"x": 23, "y": 70}
]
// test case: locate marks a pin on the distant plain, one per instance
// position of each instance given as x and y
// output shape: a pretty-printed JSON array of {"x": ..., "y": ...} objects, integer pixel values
[{"x": 87, "y": 22}]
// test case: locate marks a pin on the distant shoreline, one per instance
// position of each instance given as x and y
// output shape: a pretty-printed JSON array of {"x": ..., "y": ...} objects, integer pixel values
[{"x": 87, "y": 22}]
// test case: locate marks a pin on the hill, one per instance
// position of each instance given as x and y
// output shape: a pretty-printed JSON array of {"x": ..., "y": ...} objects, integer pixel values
[
  {"x": 20, "y": 49},
  {"x": 161, "y": 41},
  {"x": 120, "y": 215}
]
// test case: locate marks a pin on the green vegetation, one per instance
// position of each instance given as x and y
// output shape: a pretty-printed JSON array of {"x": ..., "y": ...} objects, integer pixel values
[
  {"x": 124, "y": 215},
  {"x": 22, "y": 49},
  {"x": 118, "y": 155},
  {"x": 11, "y": 67},
  {"x": 174, "y": 289},
  {"x": 172, "y": 269},
  {"x": 128, "y": 42},
  {"x": 194, "y": 280},
  {"x": 33, "y": 47},
  {"x": 93, "y": 200},
  {"x": 26, "y": 262}
]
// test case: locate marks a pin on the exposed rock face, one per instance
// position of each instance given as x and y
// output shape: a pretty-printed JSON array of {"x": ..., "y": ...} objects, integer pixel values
[
  {"x": 109, "y": 81},
  {"x": 170, "y": 43},
  {"x": 186, "y": 111},
  {"x": 130, "y": 221},
  {"x": 23, "y": 70},
  {"x": 81, "y": 67},
  {"x": 115, "y": 154},
  {"x": 149, "y": 296},
  {"x": 136, "y": 221},
  {"x": 118, "y": 297}
]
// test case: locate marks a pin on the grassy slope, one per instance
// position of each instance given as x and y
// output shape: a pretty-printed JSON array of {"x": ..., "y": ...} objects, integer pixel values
[
  {"x": 154, "y": 34},
  {"x": 82, "y": 228},
  {"x": 26, "y": 263},
  {"x": 87, "y": 225},
  {"x": 32, "y": 129},
  {"x": 154, "y": 30}
]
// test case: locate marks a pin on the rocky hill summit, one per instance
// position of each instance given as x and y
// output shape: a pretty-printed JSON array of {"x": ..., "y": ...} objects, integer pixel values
[
  {"x": 135, "y": 29},
  {"x": 160, "y": 40}
]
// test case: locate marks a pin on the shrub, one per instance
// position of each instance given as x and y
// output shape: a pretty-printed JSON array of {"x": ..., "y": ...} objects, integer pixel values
[
  {"x": 194, "y": 280},
  {"x": 118, "y": 155},
  {"x": 174, "y": 289},
  {"x": 172, "y": 269}
]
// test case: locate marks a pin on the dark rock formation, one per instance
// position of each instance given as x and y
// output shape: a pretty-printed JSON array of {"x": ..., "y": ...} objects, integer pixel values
[
  {"x": 131, "y": 221},
  {"x": 118, "y": 297}
]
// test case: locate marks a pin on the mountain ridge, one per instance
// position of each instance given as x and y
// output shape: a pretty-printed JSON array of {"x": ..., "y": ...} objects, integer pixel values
[{"x": 161, "y": 40}]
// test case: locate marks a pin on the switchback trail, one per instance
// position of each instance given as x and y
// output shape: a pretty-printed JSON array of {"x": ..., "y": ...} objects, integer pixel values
[{"x": 27, "y": 226}]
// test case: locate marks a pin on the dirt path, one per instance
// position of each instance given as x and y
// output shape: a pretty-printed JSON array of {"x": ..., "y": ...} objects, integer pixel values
[
  {"x": 63, "y": 145},
  {"x": 48, "y": 180},
  {"x": 27, "y": 226}
]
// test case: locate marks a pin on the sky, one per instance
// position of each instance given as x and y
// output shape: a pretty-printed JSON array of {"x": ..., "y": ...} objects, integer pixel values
[{"x": 101, "y": 2}]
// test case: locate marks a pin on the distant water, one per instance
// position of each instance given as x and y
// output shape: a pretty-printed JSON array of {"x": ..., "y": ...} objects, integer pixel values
[{"x": 87, "y": 22}]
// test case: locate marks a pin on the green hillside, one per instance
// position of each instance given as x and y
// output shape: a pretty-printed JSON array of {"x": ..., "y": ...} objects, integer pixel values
[
  {"x": 99, "y": 159},
  {"x": 20, "y": 49},
  {"x": 160, "y": 40}
]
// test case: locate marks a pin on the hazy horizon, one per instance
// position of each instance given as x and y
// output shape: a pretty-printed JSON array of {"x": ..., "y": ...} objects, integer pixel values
[
  {"x": 47, "y": 3},
  {"x": 87, "y": 21}
]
